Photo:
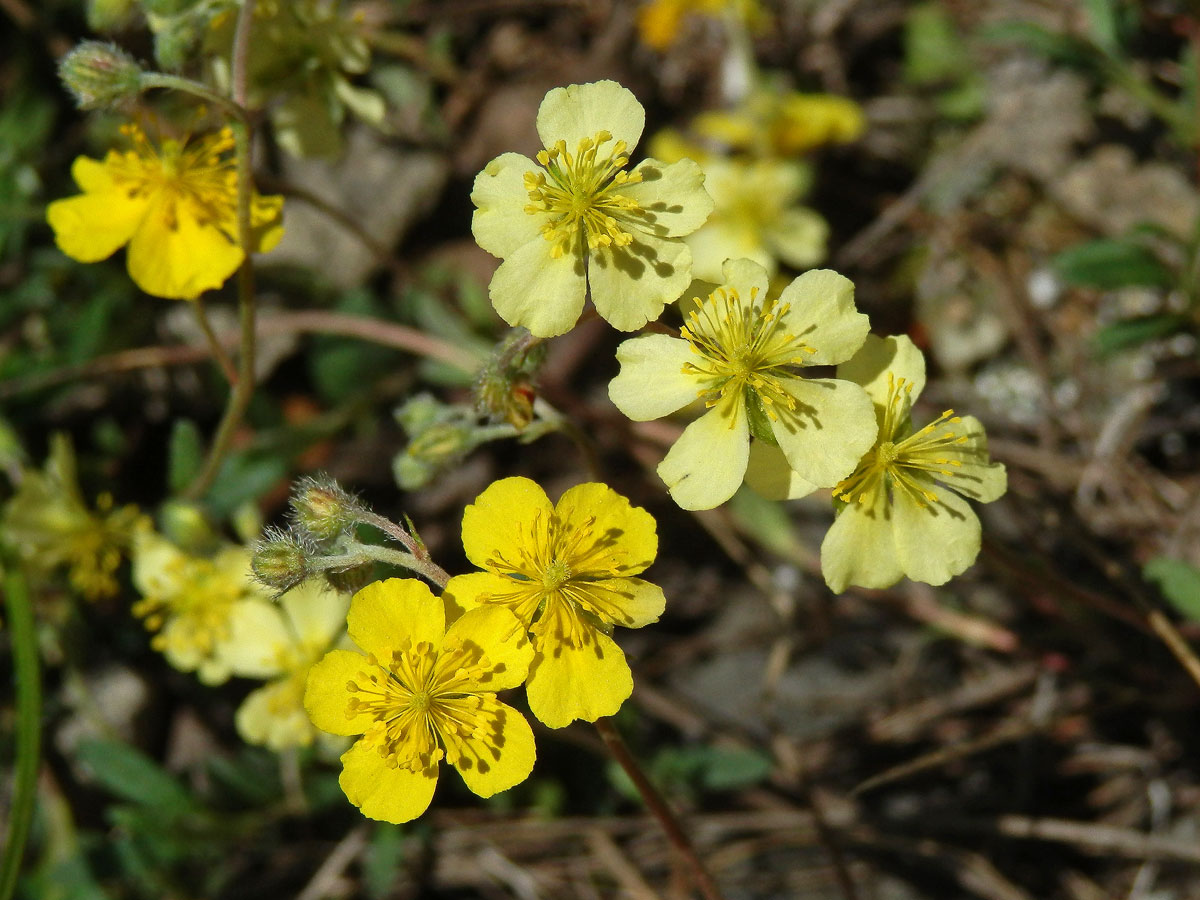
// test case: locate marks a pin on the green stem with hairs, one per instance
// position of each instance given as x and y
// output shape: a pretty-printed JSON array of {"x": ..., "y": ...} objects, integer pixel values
[{"x": 29, "y": 727}]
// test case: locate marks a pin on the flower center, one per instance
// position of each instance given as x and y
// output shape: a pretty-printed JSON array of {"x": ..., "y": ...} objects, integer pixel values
[
  {"x": 904, "y": 466},
  {"x": 579, "y": 191},
  {"x": 556, "y": 575},
  {"x": 743, "y": 345}
]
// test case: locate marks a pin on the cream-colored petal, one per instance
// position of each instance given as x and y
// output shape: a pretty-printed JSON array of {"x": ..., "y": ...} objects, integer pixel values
[
  {"x": 581, "y": 111},
  {"x": 622, "y": 539},
  {"x": 975, "y": 477},
  {"x": 631, "y": 285},
  {"x": 937, "y": 541},
  {"x": 534, "y": 289},
  {"x": 272, "y": 717},
  {"x": 859, "y": 547},
  {"x": 724, "y": 239},
  {"x": 157, "y": 565},
  {"x": 507, "y": 756},
  {"x": 585, "y": 682},
  {"x": 827, "y": 434},
  {"x": 173, "y": 255},
  {"x": 671, "y": 197},
  {"x": 652, "y": 383},
  {"x": 799, "y": 237},
  {"x": 257, "y": 640},
  {"x": 877, "y": 357},
  {"x": 769, "y": 475},
  {"x": 824, "y": 316},
  {"x": 746, "y": 277},
  {"x": 493, "y": 631},
  {"x": 383, "y": 793},
  {"x": 386, "y": 613},
  {"x": 500, "y": 223},
  {"x": 316, "y": 612},
  {"x": 93, "y": 226},
  {"x": 708, "y": 462},
  {"x": 501, "y": 518}
]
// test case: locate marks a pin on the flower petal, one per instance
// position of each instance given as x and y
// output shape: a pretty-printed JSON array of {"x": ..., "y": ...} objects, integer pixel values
[
  {"x": 832, "y": 427},
  {"x": 503, "y": 639},
  {"x": 256, "y": 641},
  {"x": 585, "y": 682},
  {"x": 799, "y": 237},
  {"x": 579, "y": 111},
  {"x": 94, "y": 176},
  {"x": 273, "y": 717},
  {"x": 500, "y": 223},
  {"x": 746, "y": 277},
  {"x": 93, "y": 226},
  {"x": 381, "y": 792},
  {"x": 859, "y": 547},
  {"x": 671, "y": 197},
  {"x": 625, "y": 538},
  {"x": 630, "y": 602},
  {"x": 385, "y": 613},
  {"x": 507, "y": 756},
  {"x": 326, "y": 696},
  {"x": 769, "y": 475},
  {"x": 266, "y": 222},
  {"x": 937, "y": 541},
  {"x": 173, "y": 255},
  {"x": 823, "y": 315},
  {"x": 500, "y": 518},
  {"x": 631, "y": 285},
  {"x": 534, "y": 289},
  {"x": 652, "y": 383},
  {"x": 708, "y": 462},
  {"x": 466, "y": 592},
  {"x": 879, "y": 356},
  {"x": 976, "y": 477},
  {"x": 316, "y": 612}
]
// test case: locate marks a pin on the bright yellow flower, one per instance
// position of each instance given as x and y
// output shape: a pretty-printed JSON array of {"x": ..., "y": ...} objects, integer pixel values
[
  {"x": 422, "y": 693},
  {"x": 49, "y": 524},
  {"x": 903, "y": 513},
  {"x": 280, "y": 642},
  {"x": 567, "y": 572},
  {"x": 174, "y": 205},
  {"x": 190, "y": 601},
  {"x": 771, "y": 123},
  {"x": 659, "y": 21}
]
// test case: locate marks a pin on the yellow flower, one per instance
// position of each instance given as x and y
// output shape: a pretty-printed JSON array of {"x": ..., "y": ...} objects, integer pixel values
[
  {"x": 50, "y": 525},
  {"x": 190, "y": 600},
  {"x": 280, "y": 642},
  {"x": 422, "y": 692},
  {"x": 577, "y": 223},
  {"x": 176, "y": 207},
  {"x": 783, "y": 124},
  {"x": 903, "y": 513},
  {"x": 659, "y": 21},
  {"x": 567, "y": 572}
]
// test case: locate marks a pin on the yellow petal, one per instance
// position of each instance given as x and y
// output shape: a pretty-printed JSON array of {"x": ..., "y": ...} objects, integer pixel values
[
  {"x": 266, "y": 222},
  {"x": 769, "y": 475},
  {"x": 582, "y": 110},
  {"x": 466, "y": 592},
  {"x": 586, "y": 682},
  {"x": 831, "y": 428},
  {"x": 386, "y": 613},
  {"x": 326, "y": 695},
  {"x": 630, "y": 602},
  {"x": 316, "y": 612},
  {"x": 173, "y": 255},
  {"x": 506, "y": 758},
  {"x": 257, "y": 639},
  {"x": 859, "y": 547},
  {"x": 708, "y": 462},
  {"x": 94, "y": 176},
  {"x": 877, "y": 357},
  {"x": 624, "y": 536},
  {"x": 501, "y": 518},
  {"x": 499, "y": 636},
  {"x": 500, "y": 224},
  {"x": 91, "y": 227},
  {"x": 534, "y": 289},
  {"x": 273, "y": 717},
  {"x": 383, "y": 793},
  {"x": 652, "y": 382}
]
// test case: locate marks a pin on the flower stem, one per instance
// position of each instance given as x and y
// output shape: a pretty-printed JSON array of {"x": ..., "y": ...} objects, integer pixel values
[
  {"x": 29, "y": 725},
  {"x": 243, "y": 388},
  {"x": 218, "y": 352},
  {"x": 658, "y": 806},
  {"x": 187, "y": 86},
  {"x": 417, "y": 550}
]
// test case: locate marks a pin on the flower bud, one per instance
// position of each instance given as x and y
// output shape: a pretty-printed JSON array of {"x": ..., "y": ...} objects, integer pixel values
[
  {"x": 281, "y": 560},
  {"x": 100, "y": 75},
  {"x": 322, "y": 510}
]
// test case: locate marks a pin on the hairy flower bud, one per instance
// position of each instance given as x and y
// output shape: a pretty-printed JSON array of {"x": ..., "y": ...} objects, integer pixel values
[
  {"x": 281, "y": 560},
  {"x": 322, "y": 509},
  {"x": 100, "y": 75}
]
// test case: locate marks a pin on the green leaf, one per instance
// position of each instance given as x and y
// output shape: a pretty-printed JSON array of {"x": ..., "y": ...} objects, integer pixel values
[
  {"x": 244, "y": 477},
  {"x": 1109, "y": 263},
  {"x": 383, "y": 861},
  {"x": 933, "y": 49},
  {"x": 133, "y": 776},
  {"x": 1050, "y": 44},
  {"x": 1102, "y": 22},
  {"x": 185, "y": 455},
  {"x": 1133, "y": 332},
  {"x": 1179, "y": 583}
]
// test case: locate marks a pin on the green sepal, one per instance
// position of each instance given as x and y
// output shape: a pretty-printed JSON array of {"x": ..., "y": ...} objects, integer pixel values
[{"x": 760, "y": 422}]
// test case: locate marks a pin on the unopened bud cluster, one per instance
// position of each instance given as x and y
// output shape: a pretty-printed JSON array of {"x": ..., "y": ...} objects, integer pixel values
[{"x": 100, "y": 75}]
